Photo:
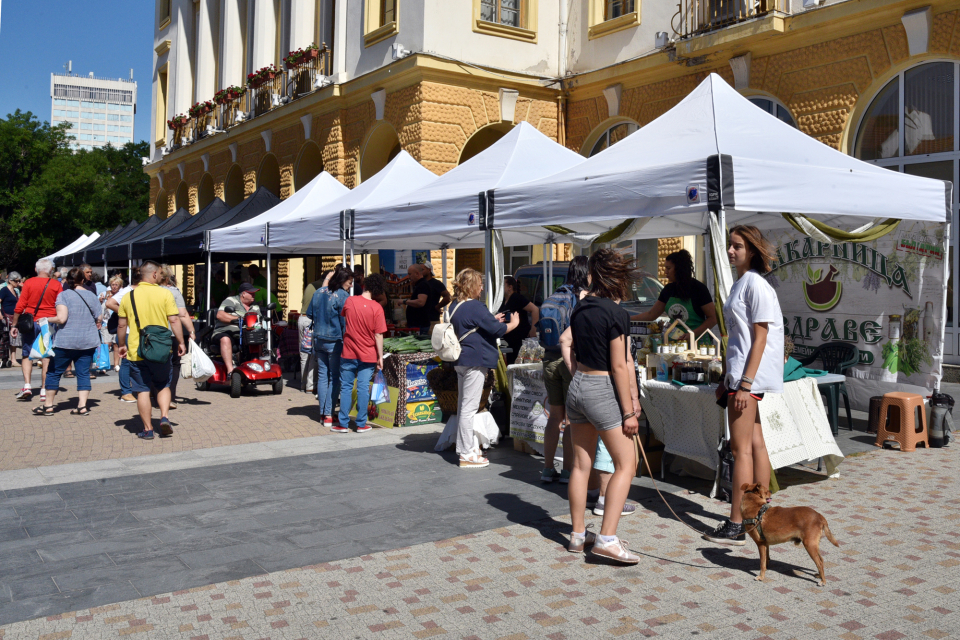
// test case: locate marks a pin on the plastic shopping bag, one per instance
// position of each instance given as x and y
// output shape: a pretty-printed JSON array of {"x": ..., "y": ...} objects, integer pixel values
[
  {"x": 306, "y": 341},
  {"x": 43, "y": 342},
  {"x": 379, "y": 394},
  {"x": 201, "y": 363},
  {"x": 103, "y": 357}
]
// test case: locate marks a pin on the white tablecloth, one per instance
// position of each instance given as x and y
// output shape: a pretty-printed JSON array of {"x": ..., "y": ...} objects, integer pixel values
[{"x": 689, "y": 423}]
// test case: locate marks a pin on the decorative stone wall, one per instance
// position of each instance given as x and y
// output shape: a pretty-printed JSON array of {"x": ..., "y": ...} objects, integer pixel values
[
  {"x": 666, "y": 246},
  {"x": 820, "y": 83}
]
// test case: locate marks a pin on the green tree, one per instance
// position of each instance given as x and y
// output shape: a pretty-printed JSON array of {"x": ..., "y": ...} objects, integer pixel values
[{"x": 51, "y": 195}]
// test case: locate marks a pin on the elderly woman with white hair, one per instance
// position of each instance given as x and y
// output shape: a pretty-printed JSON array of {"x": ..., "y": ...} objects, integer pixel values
[
  {"x": 38, "y": 300},
  {"x": 9, "y": 294}
]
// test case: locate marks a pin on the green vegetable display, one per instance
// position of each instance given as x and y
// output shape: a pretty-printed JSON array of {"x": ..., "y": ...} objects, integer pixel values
[
  {"x": 407, "y": 344},
  {"x": 905, "y": 356}
]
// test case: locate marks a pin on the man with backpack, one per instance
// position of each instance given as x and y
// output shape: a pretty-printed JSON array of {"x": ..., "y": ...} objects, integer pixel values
[
  {"x": 151, "y": 312},
  {"x": 554, "y": 319}
]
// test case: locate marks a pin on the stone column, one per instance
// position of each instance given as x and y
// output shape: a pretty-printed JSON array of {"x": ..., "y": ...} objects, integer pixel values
[
  {"x": 207, "y": 48},
  {"x": 231, "y": 44},
  {"x": 302, "y": 20},
  {"x": 264, "y": 34}
]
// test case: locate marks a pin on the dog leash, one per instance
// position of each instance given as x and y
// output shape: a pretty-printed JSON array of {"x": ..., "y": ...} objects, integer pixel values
[{"x": 663, "y": 498}]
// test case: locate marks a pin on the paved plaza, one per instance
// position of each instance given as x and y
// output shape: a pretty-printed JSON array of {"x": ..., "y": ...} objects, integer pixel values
[{"x": 251, "y": 522}]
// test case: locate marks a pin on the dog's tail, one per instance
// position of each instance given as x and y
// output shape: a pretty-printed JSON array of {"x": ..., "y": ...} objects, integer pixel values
[{"x": 826, "y": 532}]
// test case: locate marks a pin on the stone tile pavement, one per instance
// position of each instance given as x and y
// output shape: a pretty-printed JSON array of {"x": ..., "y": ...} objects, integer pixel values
[
  {"x": 205, "y": 420},
  {"x": 893, "y": 577}
]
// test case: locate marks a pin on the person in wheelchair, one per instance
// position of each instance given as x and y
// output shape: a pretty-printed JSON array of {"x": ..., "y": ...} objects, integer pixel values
[{"x": 228, "y": 329}]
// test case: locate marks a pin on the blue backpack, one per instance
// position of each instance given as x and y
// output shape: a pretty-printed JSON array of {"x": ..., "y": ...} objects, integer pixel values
[{"x": 555, "y": 315}]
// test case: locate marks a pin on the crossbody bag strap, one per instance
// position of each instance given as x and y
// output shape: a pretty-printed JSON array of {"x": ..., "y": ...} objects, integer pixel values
[
  {"x": 450, "y": 317},
  {"x": 36, "y": 309},
  {"x": 92, "y": 314},
  {"x": 136, "y": 318}
]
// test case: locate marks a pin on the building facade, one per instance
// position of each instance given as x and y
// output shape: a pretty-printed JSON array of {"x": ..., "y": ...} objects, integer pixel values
[
  {"x": 100, "y": 111},
  {"x": 877, "y": 79}
]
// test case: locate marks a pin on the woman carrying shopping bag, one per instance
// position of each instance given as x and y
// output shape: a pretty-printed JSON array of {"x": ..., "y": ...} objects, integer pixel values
[{"x": 76, "y": 340}]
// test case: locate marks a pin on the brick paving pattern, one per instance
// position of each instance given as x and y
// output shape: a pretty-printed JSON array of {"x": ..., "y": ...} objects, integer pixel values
[
  {"x": 893, "y": 577},
  {"x": 206, "y": 420}
]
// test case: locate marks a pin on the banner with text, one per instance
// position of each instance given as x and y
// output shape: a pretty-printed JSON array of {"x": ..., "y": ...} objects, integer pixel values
[{"x": 886, "y": 297}]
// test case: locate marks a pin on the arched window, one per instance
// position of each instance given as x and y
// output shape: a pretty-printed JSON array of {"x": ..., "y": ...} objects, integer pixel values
[
  {"x": 775, "y": 108},
  {"x": 911, "y": 127},
  {"x": 612, "y": 136}
]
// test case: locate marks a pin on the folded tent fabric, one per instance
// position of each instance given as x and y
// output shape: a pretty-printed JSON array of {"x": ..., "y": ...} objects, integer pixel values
[
  {"x": 315, "y": 227},
  {"x": 152, "y": 248}
]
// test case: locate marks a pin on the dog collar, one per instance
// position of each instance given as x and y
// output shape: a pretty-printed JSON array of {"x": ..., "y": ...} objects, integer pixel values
[{"x": 758, "y": 520}]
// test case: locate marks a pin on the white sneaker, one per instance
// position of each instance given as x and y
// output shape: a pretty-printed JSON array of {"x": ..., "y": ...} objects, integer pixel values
[
  {"x": 43, "y": 395},
  {"x": 616, "y": 551}
]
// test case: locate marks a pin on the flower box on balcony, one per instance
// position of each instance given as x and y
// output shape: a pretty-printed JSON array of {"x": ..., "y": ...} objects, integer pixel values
[
  {"x": 229, "y": 94},
  {"x": 261, "y": 78},
  {"x": 177, "y": 122},
  {"x": 302, "y": 57},
  {"x": 201, "y": 109}
]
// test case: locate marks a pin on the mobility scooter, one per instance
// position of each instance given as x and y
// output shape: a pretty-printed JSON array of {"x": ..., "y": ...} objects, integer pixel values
[{"x": 253, "y": 363}]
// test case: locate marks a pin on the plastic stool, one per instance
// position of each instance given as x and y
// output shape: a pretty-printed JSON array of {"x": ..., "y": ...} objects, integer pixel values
[
  {"x": 874, "y": 419},
  {"x": 903, "y": 418}
]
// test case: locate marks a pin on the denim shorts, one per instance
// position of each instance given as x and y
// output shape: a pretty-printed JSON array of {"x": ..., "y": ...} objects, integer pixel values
[
  {"x": 148, "y": 376},
  {"x": 593, "y": 399}
]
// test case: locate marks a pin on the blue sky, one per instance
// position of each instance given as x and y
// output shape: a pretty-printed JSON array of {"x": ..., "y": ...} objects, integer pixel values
[{"x": 108, "y": 37}]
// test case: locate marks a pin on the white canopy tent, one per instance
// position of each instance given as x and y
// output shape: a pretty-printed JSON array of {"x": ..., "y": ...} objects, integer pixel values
[
  {"x": 446, "y": 212},
  {"x": 76, "y": 245},
  {"x": 249, "y": 236},
  {"x": 317, "y": 228},
  {"x": 714, "y": 150}
]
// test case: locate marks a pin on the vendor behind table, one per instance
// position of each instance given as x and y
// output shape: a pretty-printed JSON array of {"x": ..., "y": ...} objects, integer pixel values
[{"x": 684, "y": 297}]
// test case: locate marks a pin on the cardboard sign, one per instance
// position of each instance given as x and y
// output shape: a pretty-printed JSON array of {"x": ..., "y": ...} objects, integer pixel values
[
  {"x": 886, "y": 297},
  {"x": 529, "y": 409},
  {"x": 412, "y": 413}
]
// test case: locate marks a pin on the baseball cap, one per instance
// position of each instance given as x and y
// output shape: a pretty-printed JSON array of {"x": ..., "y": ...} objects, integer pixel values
[
  {"x": 428, "y": 265},
  {"x": 246, "y": 286}
]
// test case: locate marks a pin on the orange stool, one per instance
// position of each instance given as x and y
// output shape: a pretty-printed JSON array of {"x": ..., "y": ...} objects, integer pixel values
[{"x": 903, "y": 418}]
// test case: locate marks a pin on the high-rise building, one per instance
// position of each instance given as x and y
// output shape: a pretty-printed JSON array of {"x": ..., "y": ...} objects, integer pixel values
[{"x": 100, "y": 111}]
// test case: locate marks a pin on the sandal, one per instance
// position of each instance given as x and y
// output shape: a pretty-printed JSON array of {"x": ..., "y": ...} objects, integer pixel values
[
  {"x": 473, "y": 460},
  {"x": 69, "y": 374},
  {"x": 80, "y": 411},
  {"x": 43, "y": 411}
]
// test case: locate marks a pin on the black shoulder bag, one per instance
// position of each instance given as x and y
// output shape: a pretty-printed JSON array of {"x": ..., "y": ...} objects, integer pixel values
[
  {"x": 26, "y": 320},
  {"x": 156, "y": 342}
]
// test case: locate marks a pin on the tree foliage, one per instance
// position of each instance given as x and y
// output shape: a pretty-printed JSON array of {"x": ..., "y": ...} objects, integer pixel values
[{"x": 50, "y": 195}]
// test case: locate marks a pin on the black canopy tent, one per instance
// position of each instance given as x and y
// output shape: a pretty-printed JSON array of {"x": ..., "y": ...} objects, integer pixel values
[
  {"x": 152, "y": 248},
  {"x": 121, "y": 251},
  {"x": 149, "y": 223},
  {"x": 96, "y": 248},
  {"x": 190, "y": 247}
]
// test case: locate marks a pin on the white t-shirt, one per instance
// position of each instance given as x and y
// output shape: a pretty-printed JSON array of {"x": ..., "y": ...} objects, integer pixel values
[
  {"x": 118, "y": 296},
  {"x": 752, "y": 300}
]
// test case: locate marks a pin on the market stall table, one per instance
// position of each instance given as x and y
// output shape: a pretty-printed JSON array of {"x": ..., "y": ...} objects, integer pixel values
[{"x": 690, "y": 423}]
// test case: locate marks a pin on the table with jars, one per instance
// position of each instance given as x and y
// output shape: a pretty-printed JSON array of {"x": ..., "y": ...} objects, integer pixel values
[{"x": 678, "y": 397}]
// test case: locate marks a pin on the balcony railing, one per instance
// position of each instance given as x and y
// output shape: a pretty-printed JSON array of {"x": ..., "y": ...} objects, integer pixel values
[
  {"x": 288, "y": 84},
  {"x": 695, "y": 17}
]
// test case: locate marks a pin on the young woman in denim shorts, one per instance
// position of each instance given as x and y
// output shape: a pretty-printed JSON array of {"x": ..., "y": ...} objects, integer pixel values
[
  {"x": 753, "y": 366},
  {"x": 602, "y": 401}
]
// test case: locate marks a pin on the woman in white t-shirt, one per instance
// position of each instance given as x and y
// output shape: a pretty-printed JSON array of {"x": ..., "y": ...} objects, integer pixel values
[{"x": 754, "y": 366}]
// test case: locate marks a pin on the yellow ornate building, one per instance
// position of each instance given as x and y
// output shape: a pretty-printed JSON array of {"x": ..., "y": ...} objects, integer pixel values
[{"x": 444, "y": 82}]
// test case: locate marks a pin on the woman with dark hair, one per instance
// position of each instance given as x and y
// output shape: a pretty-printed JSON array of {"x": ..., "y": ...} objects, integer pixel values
[
  {"x": 78, "y": 314},
  {"x": 328, "y": 326},
  {"x": 514, "y": 302},
  {"x": 602, "y": 401},
  {"x": 754, "y": 366},
  {"x": 556, "y": 378},
  {"x": 684, "y": 297}
]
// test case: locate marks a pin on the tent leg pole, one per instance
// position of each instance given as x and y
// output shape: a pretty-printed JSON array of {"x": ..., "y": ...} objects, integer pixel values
[
  {"x": 209, "y": 277},
  {"x": 488, "y": 265},
  {"x": 269, "y": 314},
  {"x": 343, "y": 254},
  {"x": 130, "y": 270},
  {"x": 550, "y": 271},
  {"x": 443, "y": 266},
  {"x": 545, "y": 294}
]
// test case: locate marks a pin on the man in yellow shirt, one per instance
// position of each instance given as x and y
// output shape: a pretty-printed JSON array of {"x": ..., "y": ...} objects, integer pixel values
[{"x": 154, "y": 306}]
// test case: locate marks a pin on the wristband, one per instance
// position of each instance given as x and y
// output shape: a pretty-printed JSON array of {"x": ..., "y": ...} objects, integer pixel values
[
  {"x": 746, "y": 379},
  {"x": 627, "y": 416}
]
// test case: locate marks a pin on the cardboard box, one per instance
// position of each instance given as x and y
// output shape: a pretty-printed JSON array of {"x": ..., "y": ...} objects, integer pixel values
[{"x": 413, "y": 413}]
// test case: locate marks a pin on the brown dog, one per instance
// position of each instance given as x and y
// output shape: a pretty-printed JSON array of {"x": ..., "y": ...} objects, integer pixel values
[{"x": 777, "y": 525}]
